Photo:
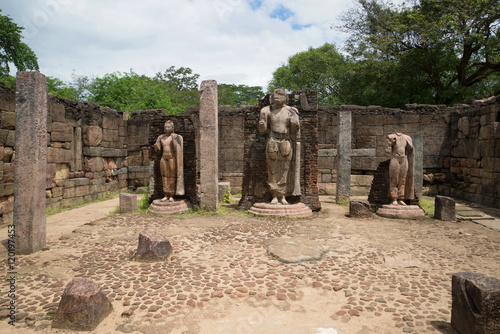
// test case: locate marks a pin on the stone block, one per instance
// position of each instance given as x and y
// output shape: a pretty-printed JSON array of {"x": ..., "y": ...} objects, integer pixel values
[
  {"x": 58, "y": 155},
  {"x": 8, "y": 153},
  {"x": 92, "y": 151},
  {"x": 8, "y": 172},
  {"x": 82, "y": 307},
  {"x": 110, "y": 123},
  {"x": 57, "y": 112},
  {"x": 475, "y": 305},
  {"x": 110, "y": 135},
  {"x": 113, "y": 152},
  {"x": 153, "y": 246},
  {"x": 444, "y": 208},
  {"x": 360, "y": 209},
  {"x": 93, "y": 164},
  {"x": 11, "y": 138},
  {"x": 92, "y": 135},
  {"x": 61, "y": 132},
  {"x": 128, "y": 202},
  {"x": 8, "y": 120},
  {"x": 62, "y": 172},
  {"x": 326, "y": 178}
]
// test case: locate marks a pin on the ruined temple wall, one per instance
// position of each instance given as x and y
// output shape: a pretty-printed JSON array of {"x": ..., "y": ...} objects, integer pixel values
[
  {"x": 370, "y": 126},
  {"x": 475, "y": 152},
  {"x": 86, "y": 152}
]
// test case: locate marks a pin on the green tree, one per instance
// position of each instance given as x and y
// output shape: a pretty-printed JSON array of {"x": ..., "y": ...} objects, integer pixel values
[
  {"x": 182, "y": 87},
  {"x": 13, "y": 50},
  {"x": 61, "y": 89},
  {"x": 450, "y": 45},
  {"x": 130, "y": 92},
  {"x": 322, "y": 69},
  {"x": 237, "y": 95}
]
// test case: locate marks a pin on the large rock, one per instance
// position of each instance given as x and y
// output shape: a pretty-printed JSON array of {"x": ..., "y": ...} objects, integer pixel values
[
  {"x": 475, "y": 305},
  {"x": 153, "y": 246},
  {"x": 444, "y": 208},
  {"x": 360, "y": 209},
  {"x": 82, "y": 307}
]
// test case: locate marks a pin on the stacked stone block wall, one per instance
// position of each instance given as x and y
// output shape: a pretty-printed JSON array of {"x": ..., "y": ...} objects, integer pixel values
[{"x": 475, "y": 152}]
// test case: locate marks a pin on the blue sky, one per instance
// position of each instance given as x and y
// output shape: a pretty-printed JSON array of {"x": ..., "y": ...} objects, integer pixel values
[{"x": 231, "y": 41}]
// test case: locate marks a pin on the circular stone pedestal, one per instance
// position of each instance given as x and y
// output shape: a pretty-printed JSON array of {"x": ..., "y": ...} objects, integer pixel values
[
  {"x": 280, "y": 210},
  {"x": 168, "y": 208},
  {"x": 400, "y": 211}
]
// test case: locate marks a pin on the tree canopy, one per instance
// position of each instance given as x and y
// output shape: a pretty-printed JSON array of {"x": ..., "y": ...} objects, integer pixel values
[
  {"x": 13, "y": 49},
  {"x": 451, "y": 45},
  {"x": 322, "y": 69}
]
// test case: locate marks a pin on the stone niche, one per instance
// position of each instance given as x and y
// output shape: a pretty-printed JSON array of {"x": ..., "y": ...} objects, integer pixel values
[
  {"x": 184, "y": 124},
  {"x": 255, "y": 188}
]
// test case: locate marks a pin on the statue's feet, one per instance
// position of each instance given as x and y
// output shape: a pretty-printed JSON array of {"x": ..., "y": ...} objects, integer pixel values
[
  {"x": 283, "y": 201},
  {"x": 164, "y": 199},
  {"x": 394, "y": 202},
  {"x": 400, "y": 202},
  {"x": 170, "y": 199},
  {"x": 274, "y": 201}
]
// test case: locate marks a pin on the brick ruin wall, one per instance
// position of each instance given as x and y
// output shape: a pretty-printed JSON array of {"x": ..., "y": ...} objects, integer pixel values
[{"x": 94, "y": 151}]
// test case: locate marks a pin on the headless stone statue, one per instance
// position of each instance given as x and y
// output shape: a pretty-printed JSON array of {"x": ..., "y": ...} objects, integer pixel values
[
  {"x": 281, "y": 123},
  {"x": 400, "y": 168},
  {"x": 169, "y": 145}
]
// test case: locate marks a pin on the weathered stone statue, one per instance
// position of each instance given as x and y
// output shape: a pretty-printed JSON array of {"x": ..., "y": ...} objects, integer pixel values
[
  {"x": 400, "y": 168},
  {"x": 169, "y": 145},
  {"x": 281, "y": 123}
]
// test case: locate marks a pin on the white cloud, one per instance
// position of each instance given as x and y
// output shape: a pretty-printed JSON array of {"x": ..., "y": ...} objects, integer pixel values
[{"x": 223, "y": 40}]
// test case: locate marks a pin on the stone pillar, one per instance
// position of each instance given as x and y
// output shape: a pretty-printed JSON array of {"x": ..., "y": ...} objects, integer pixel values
[
  {"x": 344, "y": 119},
  {"x": 31, "y": 162},
  {"x": 209, "y": 143},
  {"x": 418, "y": 153}
]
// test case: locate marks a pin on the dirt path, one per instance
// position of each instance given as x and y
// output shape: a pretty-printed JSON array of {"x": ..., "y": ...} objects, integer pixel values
[{"x": 375, "y": 276}]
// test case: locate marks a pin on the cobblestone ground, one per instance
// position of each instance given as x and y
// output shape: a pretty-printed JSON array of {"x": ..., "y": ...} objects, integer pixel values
[{"x": 224, "y": 257}]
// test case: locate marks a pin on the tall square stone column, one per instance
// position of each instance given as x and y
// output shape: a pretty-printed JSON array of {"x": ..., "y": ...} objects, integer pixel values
[
  {"x": 344, "y": 120},
  {"x": 418, "y": 152},
  {"x": 209, "y": 144},
  {"x": 31, "y": 162}
]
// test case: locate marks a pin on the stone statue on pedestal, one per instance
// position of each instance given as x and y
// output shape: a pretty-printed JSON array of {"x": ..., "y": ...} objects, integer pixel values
[
  {"x": 281, "y": 123},
  {"x": 169, "y": 146},
  {"x": 400, "y": 168}
]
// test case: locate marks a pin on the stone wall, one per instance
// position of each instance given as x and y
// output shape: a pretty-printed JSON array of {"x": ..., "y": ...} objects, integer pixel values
[{"x": 475, "y": 153}]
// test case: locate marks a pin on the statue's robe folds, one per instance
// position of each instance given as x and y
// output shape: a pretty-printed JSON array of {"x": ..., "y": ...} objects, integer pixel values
[
  {"x": 171, "y": 165},
  {"x": 282, "y": 149}
]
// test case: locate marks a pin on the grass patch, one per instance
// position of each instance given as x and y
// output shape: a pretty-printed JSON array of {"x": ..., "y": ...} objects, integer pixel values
[
  {"x": 196, "y": 211},
  {"x": 51, "y": 212},
  {"x": 427, "y": 206}
]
